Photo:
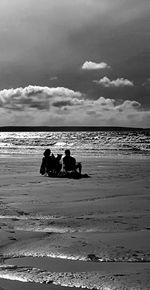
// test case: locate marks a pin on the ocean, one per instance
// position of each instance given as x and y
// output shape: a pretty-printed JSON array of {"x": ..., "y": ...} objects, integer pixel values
[{"x": 115, "y": 143}]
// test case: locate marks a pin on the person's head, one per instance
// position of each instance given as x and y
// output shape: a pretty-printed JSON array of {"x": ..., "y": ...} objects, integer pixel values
[
  {"x": 47, "y": 152},
  {"x": 67, "y": 152}
]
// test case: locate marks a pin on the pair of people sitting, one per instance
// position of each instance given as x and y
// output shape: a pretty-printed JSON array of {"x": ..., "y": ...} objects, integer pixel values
[{"x": 52, "y": 165}]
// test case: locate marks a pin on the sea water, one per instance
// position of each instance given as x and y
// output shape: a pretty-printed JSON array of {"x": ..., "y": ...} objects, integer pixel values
[{"x": 122, "y": 143}]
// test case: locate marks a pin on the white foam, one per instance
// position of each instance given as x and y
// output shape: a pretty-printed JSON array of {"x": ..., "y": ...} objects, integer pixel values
[
  {"x": 51, "y": 229},
  {"x": 29, "y": 217},
  {"x": 89, "y": 280},
  {"x": 59, "y": 144}
]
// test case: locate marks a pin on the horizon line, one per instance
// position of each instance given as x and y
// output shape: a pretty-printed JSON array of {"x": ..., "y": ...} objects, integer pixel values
[{"x": 66, "y": 128}]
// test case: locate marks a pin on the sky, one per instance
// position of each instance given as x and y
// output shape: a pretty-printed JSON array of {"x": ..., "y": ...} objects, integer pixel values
[{"x": 75, "y": 62}]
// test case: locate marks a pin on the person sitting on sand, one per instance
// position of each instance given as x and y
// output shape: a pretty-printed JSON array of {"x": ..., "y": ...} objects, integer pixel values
[
  {"x": 48, "y": 162},
  {"x": 69, "y": 163}
]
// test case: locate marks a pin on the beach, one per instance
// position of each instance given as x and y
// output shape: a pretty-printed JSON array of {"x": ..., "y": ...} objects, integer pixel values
[
  {"x": 90, "y": 233},
  {"x": 74, "y": 145}
]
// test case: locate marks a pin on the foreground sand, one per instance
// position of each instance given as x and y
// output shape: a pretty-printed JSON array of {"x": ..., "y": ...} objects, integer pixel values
[{"x": 103, "y": 219}]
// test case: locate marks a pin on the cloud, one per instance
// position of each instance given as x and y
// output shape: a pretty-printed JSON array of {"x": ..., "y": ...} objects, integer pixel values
[
  {"x": 36, "y": 105},
  {"x": 34, "y": 97},
  {"x": 89, "y": 65},
  {"x": 120, "y": 82}
]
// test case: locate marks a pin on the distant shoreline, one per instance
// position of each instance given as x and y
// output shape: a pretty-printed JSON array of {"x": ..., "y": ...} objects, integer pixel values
[{"x": 67, "y": 128}]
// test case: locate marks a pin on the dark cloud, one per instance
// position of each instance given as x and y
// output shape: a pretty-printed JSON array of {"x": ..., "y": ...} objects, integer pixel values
[{"x": 61, "y": 104}]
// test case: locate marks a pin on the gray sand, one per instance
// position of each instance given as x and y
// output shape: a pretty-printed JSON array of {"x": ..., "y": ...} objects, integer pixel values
[{"x": 103, "y": 218}]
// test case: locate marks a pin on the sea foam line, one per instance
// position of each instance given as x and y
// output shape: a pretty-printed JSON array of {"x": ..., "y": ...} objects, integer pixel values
[
  {"x": 89, "y": 280},
  {"x": 29, "y": 217},
  {"x": 85, "y": 257},
  {"x": 49, "y": 229}
]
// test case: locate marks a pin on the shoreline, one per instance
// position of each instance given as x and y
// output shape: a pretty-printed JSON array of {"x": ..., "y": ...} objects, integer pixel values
[{"x": 43, "y": 271}]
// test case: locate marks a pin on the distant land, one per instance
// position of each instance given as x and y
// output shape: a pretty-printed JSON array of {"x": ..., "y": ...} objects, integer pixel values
[{"x": 67, "y": 128}]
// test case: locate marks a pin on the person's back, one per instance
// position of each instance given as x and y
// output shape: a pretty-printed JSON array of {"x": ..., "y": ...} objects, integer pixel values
[
  {"x": 69, "y": 163},
  {"x": 50, "y": 163}
]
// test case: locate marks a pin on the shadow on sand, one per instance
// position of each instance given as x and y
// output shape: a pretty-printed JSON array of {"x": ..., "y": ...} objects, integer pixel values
[{"x": 73, "y": 175}]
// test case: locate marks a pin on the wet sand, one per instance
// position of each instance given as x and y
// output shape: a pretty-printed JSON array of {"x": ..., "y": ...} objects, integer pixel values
[{"x": 98, "y": 226}]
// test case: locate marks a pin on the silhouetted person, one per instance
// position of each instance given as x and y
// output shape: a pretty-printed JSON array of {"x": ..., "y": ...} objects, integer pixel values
[
  {"x": 48, "y": 162},
  {"x": 69, "y": 163}
]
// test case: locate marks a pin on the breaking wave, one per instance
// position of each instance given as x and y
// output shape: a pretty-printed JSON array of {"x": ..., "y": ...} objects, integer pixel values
[
  {"x": 24, "y": 216},
  {"x": 89, "y": 280}
]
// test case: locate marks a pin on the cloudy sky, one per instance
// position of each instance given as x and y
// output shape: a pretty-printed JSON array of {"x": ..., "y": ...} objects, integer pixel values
[{"x": 75, "y": 62}]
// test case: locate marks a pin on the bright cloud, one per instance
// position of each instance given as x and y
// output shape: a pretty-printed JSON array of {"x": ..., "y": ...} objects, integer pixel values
[
  {"x": 120, "y": 82},
  {"x": 34, "y": 97},
  {"x": 35, "y": 105},
  {"x": 89, "y": 65}
]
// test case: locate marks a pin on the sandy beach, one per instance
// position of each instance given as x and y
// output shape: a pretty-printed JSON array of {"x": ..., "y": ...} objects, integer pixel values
[
  {"x": 74, "y": 144},
  {"x": 92, "y": 233}
]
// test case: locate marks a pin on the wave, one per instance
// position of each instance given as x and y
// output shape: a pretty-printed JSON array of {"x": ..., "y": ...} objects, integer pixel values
[
  {"x": 49, "y": 246},
  {"x": 79, "y": 142},
  {"x": 128, "y": 257},
  {"x": 89, "y": 280},
  {"x": 25, "y": 216},
  {"x": 44, "y": 229}
]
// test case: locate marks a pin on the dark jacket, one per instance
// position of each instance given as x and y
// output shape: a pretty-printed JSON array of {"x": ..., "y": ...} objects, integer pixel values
[
  {"x": 48, "y": 164},
  {"x": 69, "y": 163}
]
